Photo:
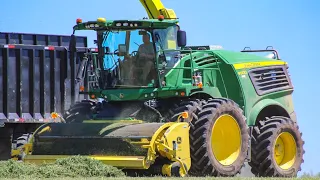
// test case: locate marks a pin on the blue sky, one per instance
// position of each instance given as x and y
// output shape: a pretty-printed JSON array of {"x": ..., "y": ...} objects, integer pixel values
[{"x": 290, "y": 26}]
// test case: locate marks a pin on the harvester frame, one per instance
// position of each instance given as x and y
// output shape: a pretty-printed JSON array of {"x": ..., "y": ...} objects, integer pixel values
[{"x": 247, "y": 97}]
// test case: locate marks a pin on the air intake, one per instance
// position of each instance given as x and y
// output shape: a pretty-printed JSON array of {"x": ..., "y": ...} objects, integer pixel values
[{"x": 270, "y": 79}]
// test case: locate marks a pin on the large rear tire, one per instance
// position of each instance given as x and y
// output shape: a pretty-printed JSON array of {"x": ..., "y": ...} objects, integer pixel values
[
  {"x": 219, "y": 139},
  {"x": 277, "y": 148}
]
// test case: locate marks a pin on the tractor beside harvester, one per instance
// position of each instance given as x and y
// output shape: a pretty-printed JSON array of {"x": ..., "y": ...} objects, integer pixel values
[{"x": 175, "y": 109}]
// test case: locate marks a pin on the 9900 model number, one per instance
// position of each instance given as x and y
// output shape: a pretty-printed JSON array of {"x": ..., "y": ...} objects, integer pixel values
[{"x": 91, "y": 25}]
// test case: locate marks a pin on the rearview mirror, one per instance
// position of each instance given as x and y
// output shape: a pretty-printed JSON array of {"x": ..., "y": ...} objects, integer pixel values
[
  {"x": 122, "y": 48},
  {"x": 182, "y": 38},
  {"x": 72, "y": 43}
]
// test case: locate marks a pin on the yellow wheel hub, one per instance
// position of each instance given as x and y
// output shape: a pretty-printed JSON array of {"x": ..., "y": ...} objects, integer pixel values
[
  {"x": 226, "y": 139},
  {"x": 285, "y": 150}
]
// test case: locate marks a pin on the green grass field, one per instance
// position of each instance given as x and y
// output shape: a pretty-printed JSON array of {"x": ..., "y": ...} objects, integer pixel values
[
  {"x": 82, "y": 168},
  {"x": 162, "y": 178}
]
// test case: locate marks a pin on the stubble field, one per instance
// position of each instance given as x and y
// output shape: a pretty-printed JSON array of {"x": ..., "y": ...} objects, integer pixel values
[{"x": 84, "y": 168}]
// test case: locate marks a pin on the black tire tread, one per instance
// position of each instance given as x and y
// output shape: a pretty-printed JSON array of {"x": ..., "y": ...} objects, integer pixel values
[
  {"x": 202, "y": 165},
  {"x": 5, "y": 143},
  {"x": 22, "y": 140},
  {"x": 5, "y": 148},
  {"x": 193, "y": 107},
  {"x": 263, "y": 135}
]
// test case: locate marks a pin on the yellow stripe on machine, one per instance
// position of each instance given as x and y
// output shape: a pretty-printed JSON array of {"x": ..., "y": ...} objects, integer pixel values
[
  {"x": 136, "y": 162},
  {"x": 257, "y": 64}
]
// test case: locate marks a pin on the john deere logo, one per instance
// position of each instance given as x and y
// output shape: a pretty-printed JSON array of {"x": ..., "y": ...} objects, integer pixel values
[
  {"x": 121, "y": 95},
  {"x": 179, "y": 140}
]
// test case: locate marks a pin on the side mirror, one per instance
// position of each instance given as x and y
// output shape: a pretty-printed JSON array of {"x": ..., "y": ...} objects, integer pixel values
[
  {"x": 122, "y": 48},
  {"x": 182, "y": 38},
  {"x": 72, "y": 44}
]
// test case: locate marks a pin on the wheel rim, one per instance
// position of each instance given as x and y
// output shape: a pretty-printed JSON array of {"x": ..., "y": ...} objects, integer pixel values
[
  {"x": 285, "y": 150},
  {"x": 226, "y": 140}
]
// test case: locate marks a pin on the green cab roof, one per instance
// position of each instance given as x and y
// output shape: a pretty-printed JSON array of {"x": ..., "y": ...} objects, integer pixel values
[{"x": 124, "y": 24}]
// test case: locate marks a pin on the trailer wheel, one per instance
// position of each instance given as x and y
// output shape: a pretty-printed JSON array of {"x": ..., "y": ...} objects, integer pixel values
[
  {"x": 5, "y": 143},
  {"x": 80, "y": 111},
  {"x": 21, "y": 141},
  {"x": 5, "y": 149},
  {"x": 277, "y": 148},
  {"x": 219, "y": 139}
]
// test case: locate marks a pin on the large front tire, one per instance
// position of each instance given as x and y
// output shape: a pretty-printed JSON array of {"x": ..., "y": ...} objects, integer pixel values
[
  {"x": 277, "y": 148},
  {"x": 192, "y": 106},
  {"x": 219, "y": 139}
]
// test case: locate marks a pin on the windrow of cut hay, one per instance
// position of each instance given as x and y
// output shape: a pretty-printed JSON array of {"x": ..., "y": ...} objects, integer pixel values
[{"x": 75, "y": 167}]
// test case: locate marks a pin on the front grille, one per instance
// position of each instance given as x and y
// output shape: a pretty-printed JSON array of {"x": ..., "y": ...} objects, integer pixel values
[{"x": 270, "y": 79}]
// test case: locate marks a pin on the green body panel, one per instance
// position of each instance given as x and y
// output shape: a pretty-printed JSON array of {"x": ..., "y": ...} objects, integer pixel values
[
  {"x": 233, "y": 57},
  {"x": 131, "y": 94},
  {"x": 224, "y": 74},
  {"x": 250, "y": 101},
  {"x": 255, "y": 103},
  {"x": 284, "y": 100},
  {"x": 141, "y": 94}
]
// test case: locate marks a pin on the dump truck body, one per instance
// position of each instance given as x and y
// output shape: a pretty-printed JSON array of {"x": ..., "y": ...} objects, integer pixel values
[
  {"x": 36, "y": 78},
  {"x": 36, "y": 75}
]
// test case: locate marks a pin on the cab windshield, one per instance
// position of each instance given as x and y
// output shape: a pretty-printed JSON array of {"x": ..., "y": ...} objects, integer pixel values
[{"x": 130, "y": 55}]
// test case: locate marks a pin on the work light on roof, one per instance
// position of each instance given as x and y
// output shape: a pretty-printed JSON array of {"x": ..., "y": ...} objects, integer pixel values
[
  {"x": 215, "y": 47},
  {"x": 79, "y": 20},
  {"x": 160, "y": 17},
  {"x": 101, "y": 20}
]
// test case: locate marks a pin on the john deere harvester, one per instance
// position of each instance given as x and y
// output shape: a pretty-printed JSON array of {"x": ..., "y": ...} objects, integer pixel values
[{"x": 158, "y": 106}]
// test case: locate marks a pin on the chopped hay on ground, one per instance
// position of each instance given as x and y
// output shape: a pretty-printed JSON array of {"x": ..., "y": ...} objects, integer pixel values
[{"x": 75, "y": 166}]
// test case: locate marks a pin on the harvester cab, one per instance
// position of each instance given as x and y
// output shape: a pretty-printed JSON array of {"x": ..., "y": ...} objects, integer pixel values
[
  {"x": 131, "y": 52},
  {"x": 128, "y": 73}
]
